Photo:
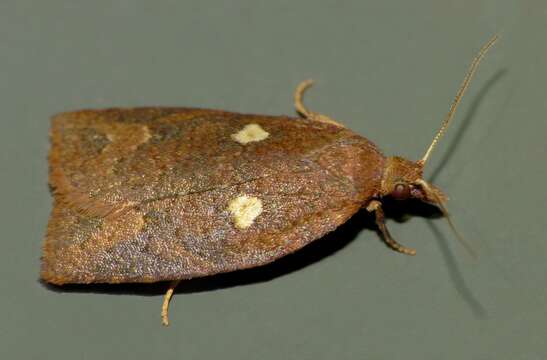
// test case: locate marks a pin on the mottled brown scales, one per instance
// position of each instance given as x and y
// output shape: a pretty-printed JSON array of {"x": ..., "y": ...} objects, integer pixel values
[{"x": 151, "y": 202}]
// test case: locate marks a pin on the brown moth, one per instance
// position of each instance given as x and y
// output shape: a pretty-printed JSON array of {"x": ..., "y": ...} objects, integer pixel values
[{"x": 155, "y": 194}]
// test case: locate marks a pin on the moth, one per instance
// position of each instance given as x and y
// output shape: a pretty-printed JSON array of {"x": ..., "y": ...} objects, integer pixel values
[{"x": 166, "y": 194}]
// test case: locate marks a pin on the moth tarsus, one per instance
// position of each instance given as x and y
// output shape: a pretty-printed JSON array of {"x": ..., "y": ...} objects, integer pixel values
[
  {"x": 375, "y": 206},
  {"x": 303, "y": 111},
  {"x": 166, "y": 300}
]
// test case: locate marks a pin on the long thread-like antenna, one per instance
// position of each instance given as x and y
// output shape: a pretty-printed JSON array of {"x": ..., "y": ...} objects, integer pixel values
[
  {"x": 463, "y": 87},
  {"x": 460, "y": 238},
  {"x": 439, "y": 203}
]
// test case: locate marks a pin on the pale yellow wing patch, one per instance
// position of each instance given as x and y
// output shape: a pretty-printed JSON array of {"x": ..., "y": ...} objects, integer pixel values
[
  {"x": 244, "y": 210},
  {"x": 250, "y": 133}
]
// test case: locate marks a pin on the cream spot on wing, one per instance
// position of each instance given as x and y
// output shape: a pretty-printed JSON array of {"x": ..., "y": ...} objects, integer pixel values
[
  {"x": 145, "y": 134},
  {"x": 250, "y": 133},
  {"x": 244, "y": 210}
]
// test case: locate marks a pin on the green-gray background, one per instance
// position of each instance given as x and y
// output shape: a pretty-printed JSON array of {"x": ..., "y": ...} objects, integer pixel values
[{"x": 388, "y": 70}]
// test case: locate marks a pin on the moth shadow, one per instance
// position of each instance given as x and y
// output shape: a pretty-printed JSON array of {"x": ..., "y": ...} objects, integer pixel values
[
  {"x": 316, "y": 251},
  {"x": 460, "y": 284}
]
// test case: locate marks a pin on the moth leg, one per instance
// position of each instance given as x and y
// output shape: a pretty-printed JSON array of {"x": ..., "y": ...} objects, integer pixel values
[
  {"x": 166, "y": 299},
  {"x": 376, "y": 206},
  {"x": 303, "y": 111}
]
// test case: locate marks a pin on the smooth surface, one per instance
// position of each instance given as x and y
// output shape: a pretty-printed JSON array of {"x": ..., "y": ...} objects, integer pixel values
[{"x": 388, "y": 70}]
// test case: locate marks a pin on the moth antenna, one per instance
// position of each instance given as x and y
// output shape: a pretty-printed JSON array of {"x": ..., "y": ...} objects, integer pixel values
[
  {"x": 461, "y": 91},
  {"x": 166, "y": 299},
  {"x": 460, "y": 238}
]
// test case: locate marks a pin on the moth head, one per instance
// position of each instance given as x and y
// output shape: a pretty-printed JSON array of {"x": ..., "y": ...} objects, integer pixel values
[{"x": 403, "y": 179}]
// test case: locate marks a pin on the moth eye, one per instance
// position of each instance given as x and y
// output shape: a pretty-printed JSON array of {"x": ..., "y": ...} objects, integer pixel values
[{"x": 401, "y": 191}]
